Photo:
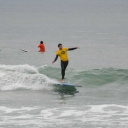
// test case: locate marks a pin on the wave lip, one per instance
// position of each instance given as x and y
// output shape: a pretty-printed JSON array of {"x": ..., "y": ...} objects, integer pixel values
[
  {"x": 96, "y": 77},
  {"x": 99, "y": 76}
]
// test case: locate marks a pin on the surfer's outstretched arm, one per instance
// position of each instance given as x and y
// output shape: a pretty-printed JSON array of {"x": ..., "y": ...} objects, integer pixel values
[
  {"x": 69, "y": 49},
  {"x": 55, "y": 58}
]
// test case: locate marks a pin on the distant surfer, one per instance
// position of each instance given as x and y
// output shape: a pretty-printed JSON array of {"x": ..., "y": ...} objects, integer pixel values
[
  {"x": 62, "y": 53},
  {"x": 23, "y": 50},
  {"x": 41, "y": 46}
]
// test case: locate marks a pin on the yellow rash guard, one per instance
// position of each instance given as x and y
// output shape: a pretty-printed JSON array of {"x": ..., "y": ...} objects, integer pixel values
[{"x": 63, "y": 54}]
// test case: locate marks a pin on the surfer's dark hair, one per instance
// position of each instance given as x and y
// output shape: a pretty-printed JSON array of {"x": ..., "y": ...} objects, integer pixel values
[
  {"x": 59, "y": 45},
  {"x": 41, "y": 42}
]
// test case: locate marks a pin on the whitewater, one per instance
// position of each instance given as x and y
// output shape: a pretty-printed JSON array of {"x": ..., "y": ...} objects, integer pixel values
[{"x": 28, "y": 95}]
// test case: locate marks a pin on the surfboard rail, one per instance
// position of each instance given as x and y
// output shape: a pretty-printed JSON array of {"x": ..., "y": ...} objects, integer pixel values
[{"x": 68, "y": 84}]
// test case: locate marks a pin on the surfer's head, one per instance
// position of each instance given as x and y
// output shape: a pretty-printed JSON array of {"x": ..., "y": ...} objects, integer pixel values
[
  {"x": 60, "y": 46},
  {"x": 41, "y": 42}
]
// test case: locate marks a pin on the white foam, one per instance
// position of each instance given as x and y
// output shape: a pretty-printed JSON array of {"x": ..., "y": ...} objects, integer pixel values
[
  {"x": 23, "y": 77},
  {"x": 2, "y": 74},
  {"x": 25, "y": 81},
  {"x": 10, "y": 110},
  {"x": 19, "y": 68},
  {"x": 47, "y": 113},
  {"x": 27, "y": 116},
  {"x": 110, "y": 114}
]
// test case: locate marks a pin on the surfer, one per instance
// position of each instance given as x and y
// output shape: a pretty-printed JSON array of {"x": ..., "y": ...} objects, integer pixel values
[
  {"x": 62, "y": 53},
  {"x": 41, "y": 46}
]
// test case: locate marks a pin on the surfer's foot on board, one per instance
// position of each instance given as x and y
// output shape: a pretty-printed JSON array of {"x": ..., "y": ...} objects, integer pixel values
[{"x": 62, "y": 80}]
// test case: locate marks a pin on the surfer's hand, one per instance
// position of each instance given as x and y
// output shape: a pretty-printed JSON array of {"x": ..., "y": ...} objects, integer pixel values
[
  {"x": 53, "y": 62},
  {"x": 78, "y": 47}
]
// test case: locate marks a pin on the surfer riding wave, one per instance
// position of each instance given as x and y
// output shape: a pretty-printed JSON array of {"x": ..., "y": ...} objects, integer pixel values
[{"x": 62, "y": 53}]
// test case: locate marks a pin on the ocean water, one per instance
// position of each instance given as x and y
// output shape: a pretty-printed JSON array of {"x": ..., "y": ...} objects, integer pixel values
[{"x": 28, "y": 97}]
